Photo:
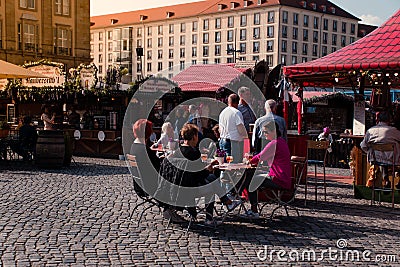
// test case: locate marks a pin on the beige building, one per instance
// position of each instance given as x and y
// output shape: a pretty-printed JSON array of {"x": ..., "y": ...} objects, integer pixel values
[
  {"x": 55, "y": 30},
  {"x": 227, "y": 31}
]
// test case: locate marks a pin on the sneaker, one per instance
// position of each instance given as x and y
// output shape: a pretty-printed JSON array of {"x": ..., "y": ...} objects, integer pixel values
[
  {"x": 249, "y": 214},
  {"x": 234, "y": 204},
  {"x": 212, "y": 223}
]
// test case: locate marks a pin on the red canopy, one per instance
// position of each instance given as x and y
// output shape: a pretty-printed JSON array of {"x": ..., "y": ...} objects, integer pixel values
[
  {"x": 208, "y": 77},
  {"x": 379, "y": 50}
]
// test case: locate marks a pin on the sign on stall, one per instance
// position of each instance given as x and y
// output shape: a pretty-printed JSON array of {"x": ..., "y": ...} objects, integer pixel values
[
  {"x": 359, "y": 116},
  {"x": 54, "y": 73}
]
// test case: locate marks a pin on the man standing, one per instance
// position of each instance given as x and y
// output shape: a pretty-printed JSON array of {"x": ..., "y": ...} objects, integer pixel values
[
  {"x": 232, "y": 129},
  {"x": 384, "y": 134},
  {"x": 244, "y": 107},
  {"x": 258, "y": 141}
]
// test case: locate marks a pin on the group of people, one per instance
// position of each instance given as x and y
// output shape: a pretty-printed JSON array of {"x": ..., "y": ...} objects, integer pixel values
[{"x": 269, "y": 140}]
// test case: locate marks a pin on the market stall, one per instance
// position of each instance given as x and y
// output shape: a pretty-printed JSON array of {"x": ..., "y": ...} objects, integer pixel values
[{"x": 372, "y": 62}]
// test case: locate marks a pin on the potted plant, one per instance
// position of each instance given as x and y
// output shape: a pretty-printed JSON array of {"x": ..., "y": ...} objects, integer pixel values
[
  {"x": 220, "y": 156},
  {"x": 4, "y": 129}
]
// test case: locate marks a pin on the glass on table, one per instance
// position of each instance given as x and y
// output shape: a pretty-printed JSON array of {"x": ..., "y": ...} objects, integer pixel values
[
  {"x": 204, "y": 157},
  {"x": 229, "y": 159}
]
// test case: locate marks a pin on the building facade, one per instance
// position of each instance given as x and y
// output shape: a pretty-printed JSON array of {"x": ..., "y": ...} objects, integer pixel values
[
  {"x": 162, "y": 39},
  {"x": 55, "y": 30}
]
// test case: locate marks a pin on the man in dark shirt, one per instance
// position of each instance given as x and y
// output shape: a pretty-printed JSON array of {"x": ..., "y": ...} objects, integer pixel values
[
  {"x": 27, "y": 137},
  {"x": 244, "y": 107}
]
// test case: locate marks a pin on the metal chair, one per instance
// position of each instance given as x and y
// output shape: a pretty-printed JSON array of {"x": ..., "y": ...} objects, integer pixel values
[
  {"x": 389, "y": 150},
  {"x": 314, "y": 149},
  {"x": 284, "y": 198},
  {"x": 138, "y": 188}
]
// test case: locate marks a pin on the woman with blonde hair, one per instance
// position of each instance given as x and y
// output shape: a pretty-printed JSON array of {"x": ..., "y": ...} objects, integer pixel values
[{"x": 167, "y": 134}]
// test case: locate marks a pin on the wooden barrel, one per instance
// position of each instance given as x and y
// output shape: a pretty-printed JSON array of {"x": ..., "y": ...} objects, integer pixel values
[{"x": 50, "y": 149}]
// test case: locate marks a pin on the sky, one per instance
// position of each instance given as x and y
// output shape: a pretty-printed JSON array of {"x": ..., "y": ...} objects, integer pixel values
[{"x": 373, "y": 12}]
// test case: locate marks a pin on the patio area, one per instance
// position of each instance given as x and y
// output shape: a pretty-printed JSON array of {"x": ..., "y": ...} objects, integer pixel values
[{"x": 79, "y": 216}]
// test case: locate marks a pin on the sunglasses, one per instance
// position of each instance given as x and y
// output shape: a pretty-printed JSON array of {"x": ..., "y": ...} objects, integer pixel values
[{"x": 266, "y": 132}]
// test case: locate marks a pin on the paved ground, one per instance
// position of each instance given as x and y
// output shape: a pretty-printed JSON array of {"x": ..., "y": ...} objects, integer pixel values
[{"x": 80, "y": 216}]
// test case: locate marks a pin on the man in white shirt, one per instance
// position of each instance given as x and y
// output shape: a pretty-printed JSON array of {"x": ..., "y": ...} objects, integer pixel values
[{"x": 232, "y": 130}]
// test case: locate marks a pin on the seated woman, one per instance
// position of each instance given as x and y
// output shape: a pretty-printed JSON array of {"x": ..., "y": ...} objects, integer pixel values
[
  {"x": 277, "y": 155},
  {"x": 167, "y": 133},
  {"x": 204, "y": 176}
]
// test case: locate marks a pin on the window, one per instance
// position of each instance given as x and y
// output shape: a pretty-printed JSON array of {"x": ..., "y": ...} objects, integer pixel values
[
  {"x": 270, "y": 31},
  {"x": 92, "y": 37},
  {"x": 194, "y": 38},
  {"x": 271, "y": 16},
  {"x": 326, "y": 24},
  {"x": 324, "y": 51},
  {"x": 295, "y": 33},
  {"x": 101, "y": 58},
  {"x": 63, "y": 42},
  {"x": 316, "y": 22},
  {"x": 171, "y": 53},
  {"x": 242, "y": 47},
  {"x": 325, "y": 38},
  {"x": 343, "y": 40},
  {"x": 295, "y": 19},
  {"x": 138, "y": 67},
  {"x": 334, "y": 39},
  {"x": 148, "y": 66},
  {"x": 160, "y": 42},
  {"x": 30, "y": 4},
  {"x": 315, "y": 36},
  {"x": 149, "y": 31},
  {"x": 183, "y": 27},
  {"x": 217, "y": 61},
  {"x": 62, "y": 7},
  {"x": 218, "y": 23},
  {"x": 256, "y": 18},
  {"x": 270, "y": 46},
  {"x": 194, "y": 51},
  {"x": 333, "y": 49},
  {"x": 217, "y": 50},
  {"x": 159, "y": 54},
  {"x": 229, "y": 49},
  {"x": 171, "y": 28},
  {"x": 284, "y": 46},
  {"x": 294, "y": 47},
  {"x": 205, "y": 61},
  {"x": 149, "y": 54},
  {"x": 182, "y": 52},
  {"x": 139, "y": 32},
  {"x": 285, "y": 16},
  {"x": 205, "y": 38},
  {"x": 181, "y": 65},
  {"x": 306, "y": 20},
  {"x": 110, "y": 46},
  {"x": 149, "y": 43},
  {"x": 109, "y": 35},
  {"x": 217, "y": 37},
  {"x": 159, "y": 67},
  {"x": 194, "y": 62},
  {"x": 170, "y": 65},
  {"x": 334, "y": 26},
  {"x": 101, "y": 47},
  {"x": 171, "y": 41},
  {"x": 352, "y": 40},
  {"x": 305, "y": 35},
  {"x": 256, "y": 47},
  {"x": 100, "y": 69},
  {"x": 315, "y": 50},
  {"x": 352, "y": 28},
  {"x": 243, "y": 34},
  {"x": 243, "y": 20},
  {"x": 100, "y": 36},
  {"x": 284, "y": 31},
  {"x": 294, "y": 60},
  {"x": 205, "y": 51},
  {"x": 303, "y": 59},
  {"x": 28, "y": 37},
  {"x": 194, "y": 26},
  {"x": 344, "y": 26},
  {"x": 230, "y": 22},
  {"x": 182, "y": 40},
  {"x": 305, "y": 49},
  {"x": 283, "y": 59},
  {"x": 270, "y": 60},
  {"x": 229, "y": 36},
  {"x": 256, "y": 33},
  {"x": 160, "y": 29},
  {"x": 206, "y": 25}
]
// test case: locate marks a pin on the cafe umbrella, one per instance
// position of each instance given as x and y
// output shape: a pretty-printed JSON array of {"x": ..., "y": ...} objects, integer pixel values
[{"x": 11, "y": 71}]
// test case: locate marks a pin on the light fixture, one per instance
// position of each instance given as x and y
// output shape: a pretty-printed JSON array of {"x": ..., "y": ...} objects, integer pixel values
[
  {"x": 337, "y": 79},
  {"x": 396, "y": 74},
  {"x": 379, "y": 74},
  {"x": 387, "y": 74}
]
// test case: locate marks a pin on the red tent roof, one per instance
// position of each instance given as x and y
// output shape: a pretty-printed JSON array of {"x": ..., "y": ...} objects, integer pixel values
[
  {"x": 379, "y": 50},
  {"x": 207, "y": 78}
]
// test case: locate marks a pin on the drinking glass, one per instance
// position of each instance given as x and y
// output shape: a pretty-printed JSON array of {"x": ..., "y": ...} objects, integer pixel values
[
  {"x": 229, "y": 159},
  {"x": 204, "y": 157}
]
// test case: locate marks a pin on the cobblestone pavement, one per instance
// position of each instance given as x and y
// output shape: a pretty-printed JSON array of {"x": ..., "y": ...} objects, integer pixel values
[{"x": 79, "y": 216}]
